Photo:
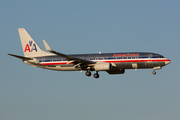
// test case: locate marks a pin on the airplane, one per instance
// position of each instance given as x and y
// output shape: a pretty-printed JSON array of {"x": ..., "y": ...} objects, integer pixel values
[{"x": 112, "y": 63}]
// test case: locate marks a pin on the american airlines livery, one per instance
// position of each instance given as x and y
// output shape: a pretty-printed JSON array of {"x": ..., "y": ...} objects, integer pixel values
[{"x": 112, "y": 63}]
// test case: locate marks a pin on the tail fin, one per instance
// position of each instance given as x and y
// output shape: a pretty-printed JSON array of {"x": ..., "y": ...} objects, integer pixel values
[{"x": 30, "y": 47}]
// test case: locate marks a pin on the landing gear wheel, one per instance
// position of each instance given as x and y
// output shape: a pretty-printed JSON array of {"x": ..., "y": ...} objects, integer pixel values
[
  {"x": 154, "y": 72},
  {"x": 96, "y": 75},
  {"x": 88, "y": 73}
]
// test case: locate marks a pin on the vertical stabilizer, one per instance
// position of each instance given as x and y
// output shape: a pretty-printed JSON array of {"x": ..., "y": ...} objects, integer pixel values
[{"x": 30, "y": 47}]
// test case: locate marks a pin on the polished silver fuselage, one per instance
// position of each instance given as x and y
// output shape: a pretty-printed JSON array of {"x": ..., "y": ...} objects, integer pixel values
[{"x": 119, "y": 61}]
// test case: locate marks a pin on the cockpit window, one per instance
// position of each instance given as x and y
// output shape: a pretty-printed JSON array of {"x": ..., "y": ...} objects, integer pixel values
[{"x": 160, "y": 56}]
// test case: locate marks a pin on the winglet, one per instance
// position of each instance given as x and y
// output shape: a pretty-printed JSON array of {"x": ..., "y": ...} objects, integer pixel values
[{"x": 46, "y": 46}]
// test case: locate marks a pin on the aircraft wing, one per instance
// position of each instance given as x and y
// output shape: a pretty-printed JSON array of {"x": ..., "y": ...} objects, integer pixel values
[{"x": 68, "y": 58}]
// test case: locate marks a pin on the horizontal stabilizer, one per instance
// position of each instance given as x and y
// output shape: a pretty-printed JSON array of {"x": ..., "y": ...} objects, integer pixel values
[{"x": 21, "y": 57}]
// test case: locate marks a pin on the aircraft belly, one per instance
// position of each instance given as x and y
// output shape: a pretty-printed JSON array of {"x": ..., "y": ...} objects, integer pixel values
[
  {"x": 62, "y": 68},
  {"x": 150, "y": 64},
  {"x": 139, "y": 65},
  {"x": 124, "y": 65}
]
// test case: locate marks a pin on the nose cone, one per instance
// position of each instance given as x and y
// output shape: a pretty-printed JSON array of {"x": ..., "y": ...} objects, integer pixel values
[{"x": 167, "y": 62}]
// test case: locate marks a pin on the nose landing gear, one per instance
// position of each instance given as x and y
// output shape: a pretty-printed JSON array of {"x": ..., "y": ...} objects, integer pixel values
[
  {"x": 156, "y": 68},
  {"x": 153, "y": 72}
]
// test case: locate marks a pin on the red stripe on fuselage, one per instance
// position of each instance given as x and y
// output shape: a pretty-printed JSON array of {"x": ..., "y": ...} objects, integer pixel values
[
  {"x": 148, "y": 60},
  {"x": 114, "y": 61}
]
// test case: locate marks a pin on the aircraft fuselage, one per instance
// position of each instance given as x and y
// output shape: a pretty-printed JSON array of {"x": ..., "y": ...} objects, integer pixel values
[
  {"x": 130, "y": 60},
  {"x": 113, "y": 63}
]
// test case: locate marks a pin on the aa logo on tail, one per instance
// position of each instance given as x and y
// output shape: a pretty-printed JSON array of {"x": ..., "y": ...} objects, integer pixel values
[{"x": 30, "y": 45}]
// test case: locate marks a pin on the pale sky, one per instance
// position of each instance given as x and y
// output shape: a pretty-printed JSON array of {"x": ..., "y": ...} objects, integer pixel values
[{"x": 74, "y": 27}]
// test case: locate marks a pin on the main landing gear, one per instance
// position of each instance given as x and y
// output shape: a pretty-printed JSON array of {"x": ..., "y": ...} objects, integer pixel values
[
  {"x": 88, "y": 73},
  {"x": 96, "y": 75}
]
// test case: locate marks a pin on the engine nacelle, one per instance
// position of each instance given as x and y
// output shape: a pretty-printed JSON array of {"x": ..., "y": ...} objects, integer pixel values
[
  {"x": 102, "y": 66},
  {"x": 122, "y": 71}
]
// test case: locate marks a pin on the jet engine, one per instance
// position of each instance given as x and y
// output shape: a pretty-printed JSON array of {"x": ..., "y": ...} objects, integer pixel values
[{"x": 102, "y": 66}]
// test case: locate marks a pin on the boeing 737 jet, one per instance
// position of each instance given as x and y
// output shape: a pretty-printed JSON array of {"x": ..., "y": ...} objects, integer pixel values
[{"x": 112, "y": 63}]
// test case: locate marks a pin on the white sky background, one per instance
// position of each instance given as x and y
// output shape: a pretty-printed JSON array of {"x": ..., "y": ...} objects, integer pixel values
[{"x": 74, "y": 27}]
